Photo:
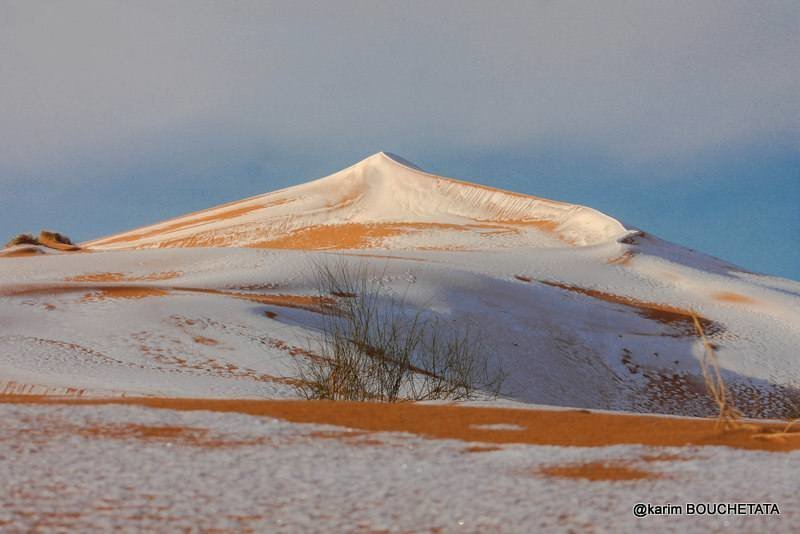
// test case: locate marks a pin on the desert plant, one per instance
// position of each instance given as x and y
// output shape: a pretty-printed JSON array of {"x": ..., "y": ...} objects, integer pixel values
[
  {"x": 793, "y": 412},
  {"x": 46, "y": 238},
  {"x": 373, "y": 346},
  {"x": 47, "y": 235},
  {"x": 22, "y": 239},
  {"x": 792, "y": 418},
  {"x": 728, "y": 415}
]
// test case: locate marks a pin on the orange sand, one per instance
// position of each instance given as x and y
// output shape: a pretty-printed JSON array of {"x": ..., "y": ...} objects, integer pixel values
[
  {"x": 188, "y": 221},
  {"x": 22, "y": 290},
  {"x": 546, "y": 225},
  {"x": 202, "y": 340},
  {"x": 482, "y": 448},
  {"x": 663, "y": 458},
  {"x": 122, "y": 277},
  {"x": 733, "y": 297},
  {"x": 12, "y": 387},
  {"x": 623, "y": 259},
  {"x": 180, "y": 435},
  {"x": 345, "y": 236},
  {"x": 598, "y": 471},
  {"x": 123, "y": 292},
  {"x": 49, "y": 243},
  {"x": 540, "y": 427},
  {"x": 658, "y": 312},
  {"x": 303, "y": 302},
  {"x": 359, "y": 236}
]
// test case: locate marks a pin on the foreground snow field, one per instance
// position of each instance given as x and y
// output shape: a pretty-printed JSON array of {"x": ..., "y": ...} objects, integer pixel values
[{"x": 122, "y": 467}]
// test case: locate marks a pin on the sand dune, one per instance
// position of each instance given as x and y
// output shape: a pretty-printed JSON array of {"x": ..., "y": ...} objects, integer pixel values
[
  {"x": 181, "y": 363},
  {"x": 579, "y": 310},
  {"x": 377, "y": 203}
]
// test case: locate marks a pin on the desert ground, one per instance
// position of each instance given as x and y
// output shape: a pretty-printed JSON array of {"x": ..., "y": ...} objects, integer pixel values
[{"x": 149, "y": 378}]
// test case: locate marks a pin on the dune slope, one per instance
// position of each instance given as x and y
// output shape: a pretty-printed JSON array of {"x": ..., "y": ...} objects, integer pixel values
[
  {"x": 577, "y": 309},
  {"x": 381, "y": 201}
]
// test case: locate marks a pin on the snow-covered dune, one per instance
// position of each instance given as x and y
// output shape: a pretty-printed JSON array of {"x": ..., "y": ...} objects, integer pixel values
[
  {"x": 381, "y": 201},
  {"x": 577, "y": 309}
]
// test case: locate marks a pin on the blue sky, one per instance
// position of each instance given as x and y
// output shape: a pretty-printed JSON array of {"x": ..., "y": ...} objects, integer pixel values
[{"x": 679, "y": 118}]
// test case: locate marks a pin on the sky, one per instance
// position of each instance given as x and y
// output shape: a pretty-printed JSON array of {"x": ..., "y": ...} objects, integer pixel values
[{"x": 680, "y": 118}]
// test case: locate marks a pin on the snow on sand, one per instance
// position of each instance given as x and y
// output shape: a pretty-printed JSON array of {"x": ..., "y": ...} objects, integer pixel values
[
  {"x": 578, "y": 309},
  {"x": 103, "y": 467}
]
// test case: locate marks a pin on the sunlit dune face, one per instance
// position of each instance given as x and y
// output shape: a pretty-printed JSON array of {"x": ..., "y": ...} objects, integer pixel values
[
  {"x": 380, "y": 203},
  {"x": 374, "y": 235},
  {"x": 197, "y": 219},
  {"x": 340, "y": 236},
  {"x": 353, "y": 236}
]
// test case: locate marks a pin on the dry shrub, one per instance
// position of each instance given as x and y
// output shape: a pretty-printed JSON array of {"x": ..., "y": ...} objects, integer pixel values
[
  {"x": 792, "y": 418},
  {"x": 47, "y": 235},
  {"x": 728, "y": 415},
  {"x": 46, "y": 238},
  {"x": 794, "y": 410},
  {"x": 23, "y": 239},
  {"x": 374, "y": 347}
]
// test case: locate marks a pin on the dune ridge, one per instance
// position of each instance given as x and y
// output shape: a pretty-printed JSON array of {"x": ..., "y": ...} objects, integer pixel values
[{"x": 380, "y": 202}]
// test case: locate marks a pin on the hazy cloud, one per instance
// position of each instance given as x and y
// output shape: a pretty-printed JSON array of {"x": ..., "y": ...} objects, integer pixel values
[{"x": 633, "y": 79}]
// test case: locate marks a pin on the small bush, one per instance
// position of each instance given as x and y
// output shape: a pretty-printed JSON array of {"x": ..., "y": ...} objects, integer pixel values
[
  {"x": 373, "y": 347},
  {"x": 23, "y": 239},
  {"x": 729, "y": 416},
  {"x": 47, "y": 235}
]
